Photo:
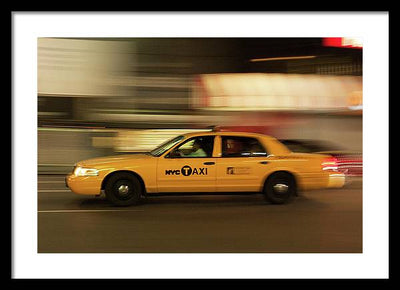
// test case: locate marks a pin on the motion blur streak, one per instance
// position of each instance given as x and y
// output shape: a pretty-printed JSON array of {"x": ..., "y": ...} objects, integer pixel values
[{"x": 282, "y": 58}]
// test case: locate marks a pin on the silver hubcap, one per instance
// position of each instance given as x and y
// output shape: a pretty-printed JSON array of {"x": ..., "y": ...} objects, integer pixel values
[
  {"x": 123, "y": 189},
  {"x": 281, "y": 188}
]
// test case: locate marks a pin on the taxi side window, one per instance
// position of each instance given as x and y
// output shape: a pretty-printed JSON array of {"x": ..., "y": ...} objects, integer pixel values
[
  {"x": 195, "y": 147},
  {"x": 242, "y": 147}
]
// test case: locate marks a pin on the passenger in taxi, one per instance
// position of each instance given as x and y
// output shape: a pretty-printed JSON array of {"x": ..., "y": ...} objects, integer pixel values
[{"x": 230, "y": 147}]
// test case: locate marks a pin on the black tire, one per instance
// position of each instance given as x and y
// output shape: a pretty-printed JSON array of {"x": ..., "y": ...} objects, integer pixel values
[
  {"x": 123, "y": 189},
  {"x": 279, "y": 188}
]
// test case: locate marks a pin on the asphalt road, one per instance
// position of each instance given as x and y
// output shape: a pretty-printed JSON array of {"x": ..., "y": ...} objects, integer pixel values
[{"x": 323, "y": 221}]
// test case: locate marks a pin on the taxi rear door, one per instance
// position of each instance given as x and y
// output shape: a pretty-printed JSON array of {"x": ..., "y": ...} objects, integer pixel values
[{"x": 242, "y": 164}]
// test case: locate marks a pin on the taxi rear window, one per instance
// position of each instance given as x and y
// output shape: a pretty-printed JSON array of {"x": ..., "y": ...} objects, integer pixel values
[{"x": 233, "y": 146}]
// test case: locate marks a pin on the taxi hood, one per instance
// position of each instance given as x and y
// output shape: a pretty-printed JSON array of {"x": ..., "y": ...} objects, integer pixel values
[{"x": 107, "y": 160}]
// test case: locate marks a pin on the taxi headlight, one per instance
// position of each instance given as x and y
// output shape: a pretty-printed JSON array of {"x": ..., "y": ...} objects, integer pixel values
[{"x": 81, "y": 171}]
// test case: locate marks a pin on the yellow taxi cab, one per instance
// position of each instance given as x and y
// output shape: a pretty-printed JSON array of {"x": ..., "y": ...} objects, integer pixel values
[{"x": 207, "y": 162}]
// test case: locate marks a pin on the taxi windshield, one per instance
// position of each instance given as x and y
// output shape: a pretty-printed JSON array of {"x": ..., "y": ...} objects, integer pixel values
[{"x": 158, "y": 151}]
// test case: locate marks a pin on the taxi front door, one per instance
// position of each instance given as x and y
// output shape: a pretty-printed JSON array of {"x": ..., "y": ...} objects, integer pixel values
[{"x": 179, "y": 173}]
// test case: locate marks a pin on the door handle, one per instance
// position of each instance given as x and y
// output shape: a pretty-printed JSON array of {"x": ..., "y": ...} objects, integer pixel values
[
  {"x": 264, "y": 162},
  {"x": 209, "y": 163}
]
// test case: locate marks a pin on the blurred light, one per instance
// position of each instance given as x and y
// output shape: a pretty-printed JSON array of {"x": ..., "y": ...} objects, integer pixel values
[
  {"x": 274, "y": 91},
  {"x": 282, "y": 58},
  {"x": 346, "y": 42},
  {"x": 355, "y": 100},
  {"x": 329, "y": 164}
]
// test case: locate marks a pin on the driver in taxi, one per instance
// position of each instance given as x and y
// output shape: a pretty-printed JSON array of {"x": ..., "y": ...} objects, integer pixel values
[{"x": 197, "y": 150}]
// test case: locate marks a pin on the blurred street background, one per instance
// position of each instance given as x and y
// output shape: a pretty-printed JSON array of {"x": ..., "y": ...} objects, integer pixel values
[{"x": 106, "y": 96}]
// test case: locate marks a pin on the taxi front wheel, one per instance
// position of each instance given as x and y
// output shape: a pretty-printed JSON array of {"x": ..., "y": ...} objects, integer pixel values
[
  {"x": 279, "y": 188},
  {"x": 123, "y": 189}
]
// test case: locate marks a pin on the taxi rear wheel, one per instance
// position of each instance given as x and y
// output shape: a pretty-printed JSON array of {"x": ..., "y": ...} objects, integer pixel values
[
  {"x": 279, "y": 188},
  {"x": 123, "y": 189}
]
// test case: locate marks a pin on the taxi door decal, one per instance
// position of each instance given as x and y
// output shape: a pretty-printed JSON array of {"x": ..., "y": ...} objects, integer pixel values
[
  {"x": 238, "y": 170},
  {"x": 187, "y": 171}
]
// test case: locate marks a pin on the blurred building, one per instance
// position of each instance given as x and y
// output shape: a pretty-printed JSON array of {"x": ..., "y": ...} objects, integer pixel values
[{"x": 141, "y": 82}]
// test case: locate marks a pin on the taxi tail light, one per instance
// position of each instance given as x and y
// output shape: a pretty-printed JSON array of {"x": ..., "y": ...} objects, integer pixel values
[{"x": 329, "y": 163}]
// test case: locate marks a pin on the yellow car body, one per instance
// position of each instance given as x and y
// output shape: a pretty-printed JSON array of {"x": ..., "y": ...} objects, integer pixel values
[{"x": 168, "y": 171}]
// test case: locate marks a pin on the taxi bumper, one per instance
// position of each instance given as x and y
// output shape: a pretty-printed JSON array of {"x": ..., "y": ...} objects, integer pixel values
[
  {"x": 336, "y": 180},
  {"x": 86, "y": 185}
]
